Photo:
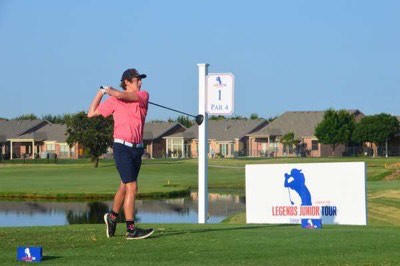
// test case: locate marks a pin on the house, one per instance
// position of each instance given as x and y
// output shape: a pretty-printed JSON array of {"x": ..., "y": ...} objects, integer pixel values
[
  {"x": 153, "y": 137},
  {"x": 11, "y": 145},
  {"x": 226, "y": 138},
  {"x": 266, "y": 141},
  {"x": 30, "y": 138},
  {"x": 54, "y": 141}
]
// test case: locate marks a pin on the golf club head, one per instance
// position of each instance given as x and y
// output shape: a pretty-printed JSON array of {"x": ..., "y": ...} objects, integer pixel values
[{"x": 199, "y": 119}]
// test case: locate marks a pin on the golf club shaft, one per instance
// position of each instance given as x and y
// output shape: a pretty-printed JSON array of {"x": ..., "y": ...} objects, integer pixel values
[
  {"x": 290, "y": 197},
  {"x": 171, "y": 109}
]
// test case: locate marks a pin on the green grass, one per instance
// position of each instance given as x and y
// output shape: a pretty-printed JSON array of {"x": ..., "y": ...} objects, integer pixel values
[
  {"x": 229, "y": 243},
  {"x": 220, "y": 244},
  {"x": 78, "y": 178}
]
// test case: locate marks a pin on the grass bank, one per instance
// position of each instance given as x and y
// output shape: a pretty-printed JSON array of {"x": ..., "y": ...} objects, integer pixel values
[
  {"x": 221, "y": 244},
  {"x": 158, "y": 178}
]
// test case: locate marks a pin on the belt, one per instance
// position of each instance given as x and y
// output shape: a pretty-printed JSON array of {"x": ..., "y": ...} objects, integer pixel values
[{"x": 126, "y": 143}]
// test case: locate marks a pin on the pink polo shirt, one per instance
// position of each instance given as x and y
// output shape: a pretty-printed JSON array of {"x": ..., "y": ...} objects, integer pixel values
[{"x": 129, "y": 117}]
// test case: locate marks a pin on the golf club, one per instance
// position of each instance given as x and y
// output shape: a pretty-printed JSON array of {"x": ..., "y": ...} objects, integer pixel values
[
  {"x": 198, "y": 118},
  {"x": 290, "y": 198}
]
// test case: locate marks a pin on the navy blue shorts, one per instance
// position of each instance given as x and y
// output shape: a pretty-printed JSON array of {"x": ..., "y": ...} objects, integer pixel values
[{"x": 128, "y": 161}]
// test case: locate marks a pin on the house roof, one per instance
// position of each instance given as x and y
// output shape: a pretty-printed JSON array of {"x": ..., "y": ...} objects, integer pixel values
[
  {"x": 50, "y": 132},
  {"x": 224, "y": 130},
  {"x": 15, "y": 128},
  {"x": 301, "y": 123},
  {"x": 155, "y": 130}
]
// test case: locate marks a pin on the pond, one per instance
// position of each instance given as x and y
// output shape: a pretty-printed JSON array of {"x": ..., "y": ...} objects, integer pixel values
[{"x": 180, "y": 210}]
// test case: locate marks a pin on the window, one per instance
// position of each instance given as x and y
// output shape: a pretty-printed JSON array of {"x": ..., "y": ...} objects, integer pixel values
[
  {"x": 263, "y": 147},
  {"x": 314, "y": 145},
  {"x": 175, "y": 148},
  {"x": 290, "y": 149},
  {"x": 226, "y": 149},
  {"x": 64, "y": 150},
  {"x": 51, "y": 147},
  {"x": 223, "y": 149}
]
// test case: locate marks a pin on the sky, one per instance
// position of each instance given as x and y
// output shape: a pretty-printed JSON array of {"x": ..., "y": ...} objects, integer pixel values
[{"x": 290, "y": 55}]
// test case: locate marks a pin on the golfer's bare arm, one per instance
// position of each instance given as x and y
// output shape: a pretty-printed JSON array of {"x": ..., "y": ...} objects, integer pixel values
[
  {"x": 123, "y": 95},
  {"x": 95, "y": 104}
]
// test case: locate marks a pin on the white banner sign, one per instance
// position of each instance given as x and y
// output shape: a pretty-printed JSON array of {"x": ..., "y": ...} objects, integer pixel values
[
  {"x": 288, "y": 193},
  {"x": 220, "y": 93}
]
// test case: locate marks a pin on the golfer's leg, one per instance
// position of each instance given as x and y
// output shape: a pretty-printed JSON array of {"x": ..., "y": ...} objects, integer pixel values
[
  {"x": 119, "y": 198},
  {"x": 129, "y": 201}
]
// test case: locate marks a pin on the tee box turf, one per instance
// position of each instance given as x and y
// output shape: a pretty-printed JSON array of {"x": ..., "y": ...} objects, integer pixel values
[
  {"x": 29, "y": 254},
  {"x": 311, "y": 223}
]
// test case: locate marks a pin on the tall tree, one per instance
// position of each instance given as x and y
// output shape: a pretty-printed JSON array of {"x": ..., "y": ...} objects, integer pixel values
[
  {"x": 376, "y": 129},
  {"x": 95, "y": 134},
  {"x": 336, "y": 128}
]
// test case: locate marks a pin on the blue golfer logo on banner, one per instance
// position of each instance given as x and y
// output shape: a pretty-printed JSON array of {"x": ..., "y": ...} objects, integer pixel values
[{"x": 297, "y": 182}]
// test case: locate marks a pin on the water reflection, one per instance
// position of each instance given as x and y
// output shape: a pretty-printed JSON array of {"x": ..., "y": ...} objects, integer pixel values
[
  {"x": 181, "y": 210},
  {"x": 93, "y": 216}
]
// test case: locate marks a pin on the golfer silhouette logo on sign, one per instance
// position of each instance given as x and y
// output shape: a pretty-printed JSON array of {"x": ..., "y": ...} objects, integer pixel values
[
  {"x": 28, "y": 253},
  {"x": 296, "y": 181}
]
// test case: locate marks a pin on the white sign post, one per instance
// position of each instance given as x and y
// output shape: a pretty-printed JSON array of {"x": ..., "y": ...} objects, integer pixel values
[
  {"x": 203, "y": 146},
  {"x": 290, "y": 193},
  {"x": 220, "y": 93},
  {"x": 215, "y": 97}
]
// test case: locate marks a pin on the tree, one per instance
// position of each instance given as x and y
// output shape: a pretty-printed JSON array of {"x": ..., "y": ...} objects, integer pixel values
[
  {"x": 184, "y": 120},
  {"x": 376, "y": 129},
  {"x": 289, "y": 140},
  {"x": 238, "y": 117},
  {"x": 254, "y": 116},
  {"x": 57, "y": 119},
  {"x": 214, "y": 117},
  {"x": 336, "y": 128},
  {"x": 95, "y": 134},
  {"x": 26, "y": 117}
]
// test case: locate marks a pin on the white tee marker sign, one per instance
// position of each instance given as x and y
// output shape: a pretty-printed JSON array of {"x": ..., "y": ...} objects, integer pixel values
[{"x": 220, "y": 93}]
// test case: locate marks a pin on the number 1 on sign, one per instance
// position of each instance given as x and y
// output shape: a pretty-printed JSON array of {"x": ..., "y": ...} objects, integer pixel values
[{"x": 219, "y": 95}]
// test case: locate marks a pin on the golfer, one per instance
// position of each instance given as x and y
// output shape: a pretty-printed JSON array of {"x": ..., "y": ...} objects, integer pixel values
[{"x": 129, "y": 109}]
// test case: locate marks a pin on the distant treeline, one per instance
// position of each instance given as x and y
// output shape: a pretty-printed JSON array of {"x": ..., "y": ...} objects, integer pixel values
[
  {"x": 54, "y": 119},
  {"x": 184, "y": 120}
]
